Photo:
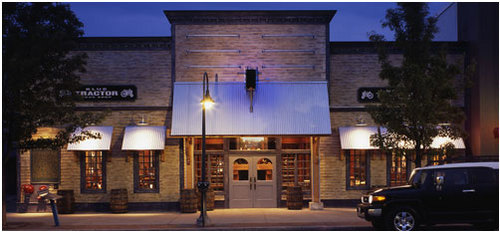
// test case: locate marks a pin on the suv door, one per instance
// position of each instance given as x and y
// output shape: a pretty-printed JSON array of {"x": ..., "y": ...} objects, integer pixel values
[
  {"x": 448, "y": 201},
  {"x": 483, "y": 192}
]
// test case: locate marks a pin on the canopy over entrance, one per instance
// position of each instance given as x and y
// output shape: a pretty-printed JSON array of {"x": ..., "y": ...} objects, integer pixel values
[{"x": 279, "y": 108}]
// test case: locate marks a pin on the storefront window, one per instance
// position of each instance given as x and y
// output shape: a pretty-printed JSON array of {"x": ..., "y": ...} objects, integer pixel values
[
  {"x": 357, "y": 169},
  {"x": 303, "y": 172},
  {"x": 146, "y": 171},
  {"x": 436, "y": 159},
  {"x": 215, "y": 170},
  {"x": 93, "y": 172},
  {"x": 397, "y": 169}
]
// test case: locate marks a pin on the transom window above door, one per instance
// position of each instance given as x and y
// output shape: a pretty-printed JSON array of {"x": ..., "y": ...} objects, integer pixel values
[{"x": 252, "y": 143}]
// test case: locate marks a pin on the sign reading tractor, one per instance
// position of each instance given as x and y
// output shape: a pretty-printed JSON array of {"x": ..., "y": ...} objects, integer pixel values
[
  {"x": 369, "y": 94},
  {"x": 105, "y": 92}
]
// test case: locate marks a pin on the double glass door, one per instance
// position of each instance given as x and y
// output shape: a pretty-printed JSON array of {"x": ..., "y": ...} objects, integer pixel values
[{"x": 252, "y": 181}]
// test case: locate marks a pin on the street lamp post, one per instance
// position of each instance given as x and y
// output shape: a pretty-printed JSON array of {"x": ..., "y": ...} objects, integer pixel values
[{"x": 203, "y": 185}]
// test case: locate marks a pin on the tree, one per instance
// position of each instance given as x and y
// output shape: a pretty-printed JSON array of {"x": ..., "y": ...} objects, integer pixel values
[
  {"x": 418, "y": 104},
  {"x": 37, "y": 64}
]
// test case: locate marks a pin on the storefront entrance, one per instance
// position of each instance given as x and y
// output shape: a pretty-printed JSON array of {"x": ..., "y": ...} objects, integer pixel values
[{"x": 252, "y": 181}]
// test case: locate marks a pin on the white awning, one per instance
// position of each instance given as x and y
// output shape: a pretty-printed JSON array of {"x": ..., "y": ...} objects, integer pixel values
[
  {"x": 279, "y": 108},
  {"x": 358, "y": 138},
  {"x": 104, "y": 143},
  {"x": 144, "y": 138}
]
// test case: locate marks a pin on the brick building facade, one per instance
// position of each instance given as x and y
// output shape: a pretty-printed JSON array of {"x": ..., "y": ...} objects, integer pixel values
[{"x": 283, "y": 47}]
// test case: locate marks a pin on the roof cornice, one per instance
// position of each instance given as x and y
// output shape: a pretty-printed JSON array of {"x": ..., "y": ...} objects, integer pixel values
[
  {"x": 368, "y": 47},
  {"x": 251, "y": 17},
  {"x": 123, "y": 43}
]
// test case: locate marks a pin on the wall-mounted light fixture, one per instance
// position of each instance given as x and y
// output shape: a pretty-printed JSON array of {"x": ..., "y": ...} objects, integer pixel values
[
  {"x": 360, "y": 121},
  {"x": 143, "y": 121}
]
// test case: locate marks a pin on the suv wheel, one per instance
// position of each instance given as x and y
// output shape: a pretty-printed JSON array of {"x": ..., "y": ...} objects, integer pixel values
[{"x": 402, "y": 219}]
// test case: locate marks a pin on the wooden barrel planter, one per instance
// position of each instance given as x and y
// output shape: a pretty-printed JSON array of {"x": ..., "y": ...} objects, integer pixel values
[
  {"x": 294, "y": 198},
  {"x": 210, "y": 199},
  {"x": 118, "y": 202},
  {"x": 66, "y": 204},
  {"x": 188, "y": 201}
]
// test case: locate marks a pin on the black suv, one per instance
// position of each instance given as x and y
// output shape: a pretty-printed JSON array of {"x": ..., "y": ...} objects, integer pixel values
[{"x": 452, "y": 193}]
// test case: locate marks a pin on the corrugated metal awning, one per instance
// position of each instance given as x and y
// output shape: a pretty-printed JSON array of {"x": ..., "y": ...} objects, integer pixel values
[
  {"x": 279, "y": 108},
  {"x": 358, "y": 138},
  {"x": 144, "y": 138},
  {"x": 104, "y": 143}
]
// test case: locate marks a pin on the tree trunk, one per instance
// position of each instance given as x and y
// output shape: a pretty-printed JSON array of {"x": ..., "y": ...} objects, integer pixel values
[{"x": 418, "y": 154}]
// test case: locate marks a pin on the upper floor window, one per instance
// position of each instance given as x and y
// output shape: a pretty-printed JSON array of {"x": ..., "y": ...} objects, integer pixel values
[
  {"x": 358, "y": 169},
  {"x": 146, "y": 171},
  {"x": 93, "y": 172}
]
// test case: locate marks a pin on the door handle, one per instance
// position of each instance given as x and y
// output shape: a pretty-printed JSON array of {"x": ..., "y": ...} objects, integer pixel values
[
  {"x": 468, "y": 191},
  {"x": 250, "y": 182},
  {"x": 254, "y": 183}
]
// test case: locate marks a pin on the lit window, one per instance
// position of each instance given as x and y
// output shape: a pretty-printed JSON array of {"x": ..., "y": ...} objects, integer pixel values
[
  {"x": 357, "y": 169},
  {"x": 398, "y": 169},
  {"x": 296, "y": 143},
  {"x": 303, "y": 173},
  {"x": 252, "y": 143},
  {"x": 146, "y": 171},
  {"x": 93, "y": 172},
  {"x": 215, "y": 172},
  {"x": 240, "y": 169}
]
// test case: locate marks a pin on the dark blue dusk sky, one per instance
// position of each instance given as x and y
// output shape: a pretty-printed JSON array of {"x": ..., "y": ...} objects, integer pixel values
[{"x": 352, "y": 22}]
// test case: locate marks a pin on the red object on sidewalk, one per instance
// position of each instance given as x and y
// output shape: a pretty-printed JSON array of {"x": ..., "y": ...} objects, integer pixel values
[{"x": 28, "y": 188}]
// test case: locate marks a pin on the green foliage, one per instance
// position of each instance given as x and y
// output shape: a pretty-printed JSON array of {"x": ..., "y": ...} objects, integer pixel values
[
  {"x": 37, "y": 64},
  {"x": 421, "y": 89}
]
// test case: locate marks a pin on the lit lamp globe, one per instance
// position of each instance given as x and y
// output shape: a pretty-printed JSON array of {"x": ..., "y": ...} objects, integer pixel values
[{"x": 207, "y": 102}]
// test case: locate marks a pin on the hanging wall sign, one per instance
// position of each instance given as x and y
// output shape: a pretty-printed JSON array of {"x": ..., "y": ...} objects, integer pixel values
[
  {"x": 369, "y": 94},
  {"x": 105, "y": 92}
]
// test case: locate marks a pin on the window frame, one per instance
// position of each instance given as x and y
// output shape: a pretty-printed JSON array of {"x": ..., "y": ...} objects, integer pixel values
[
  {"x": 389, "y": 166},
  {"x": 83, "y": 175},
  {"x": 367, "y": 167},
  {"x": 156, "y": 156}
]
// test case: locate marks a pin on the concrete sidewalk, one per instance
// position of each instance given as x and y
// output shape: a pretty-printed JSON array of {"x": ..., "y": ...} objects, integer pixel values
[{"x": 221, "y": 219}]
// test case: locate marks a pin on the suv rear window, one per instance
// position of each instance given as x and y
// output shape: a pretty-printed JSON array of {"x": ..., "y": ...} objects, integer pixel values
[{"x": 479, "y": 175}]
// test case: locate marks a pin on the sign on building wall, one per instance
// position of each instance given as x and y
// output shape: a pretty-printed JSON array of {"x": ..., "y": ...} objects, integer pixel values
[
  {"x": 369, "y": 94},
  {"x": 105, "y": 92}
]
